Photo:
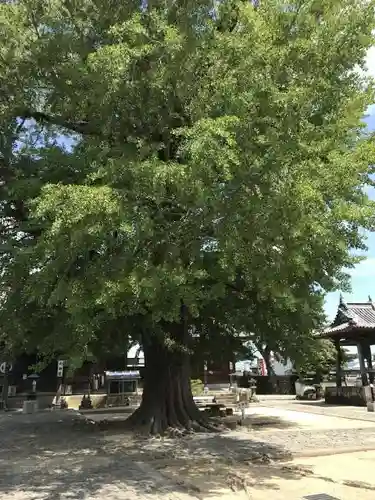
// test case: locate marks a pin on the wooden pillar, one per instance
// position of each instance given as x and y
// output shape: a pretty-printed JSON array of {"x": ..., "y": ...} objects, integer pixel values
[
  {"x": 338, "y": 364},
  {"x": 368, "y": 357},
  {"x": 108, "y": 388},
  {"x": 362, "y": 366},
  {"x": 4, "y": 395}
]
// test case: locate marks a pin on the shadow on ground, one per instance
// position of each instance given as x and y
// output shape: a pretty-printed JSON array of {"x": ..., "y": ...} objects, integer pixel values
[
  {"x": 113, "y": 423},
  {"x": 55, "y": 455},
  {"x": 261, "y": 422}
]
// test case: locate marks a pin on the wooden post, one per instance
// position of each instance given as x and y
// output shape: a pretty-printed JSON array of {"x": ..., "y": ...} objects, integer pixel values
[
  {"x": 59, "y": 376},
  {"x": 58, "y": 392},
  {"x": 362, "y": 366},
  {"x": 338, "y": 364},
  {"x": 367, "y": 355},
  {"x": 4, "y": 395}
]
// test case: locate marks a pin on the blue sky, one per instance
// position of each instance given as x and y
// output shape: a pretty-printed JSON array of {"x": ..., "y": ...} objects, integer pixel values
[{"x": 363, "y": 275}]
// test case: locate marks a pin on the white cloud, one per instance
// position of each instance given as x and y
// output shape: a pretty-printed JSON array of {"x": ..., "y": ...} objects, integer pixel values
[
  {"x": 371, "y": 110},
  {"x": 364, "y": 269},
  {"x": 370, "y": 61}
]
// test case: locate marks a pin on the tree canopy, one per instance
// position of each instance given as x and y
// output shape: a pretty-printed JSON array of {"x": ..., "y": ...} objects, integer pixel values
[{"x": 169, "y": 163}]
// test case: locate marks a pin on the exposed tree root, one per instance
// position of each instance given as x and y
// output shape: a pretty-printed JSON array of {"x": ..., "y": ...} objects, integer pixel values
[
  {"x": 155, "y": 422},
  {"x": 167, "y": 400},
  {"x": 167, "y": 404}
]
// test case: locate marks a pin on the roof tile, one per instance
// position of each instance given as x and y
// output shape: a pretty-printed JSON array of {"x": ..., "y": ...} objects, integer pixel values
[
  {"x": 362, "y": 314},
  {"x": 353, "y": 315}
]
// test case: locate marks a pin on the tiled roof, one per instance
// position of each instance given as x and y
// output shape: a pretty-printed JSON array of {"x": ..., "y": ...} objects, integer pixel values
[
  {"x": 353, "y": 316},
  {"x": 339, "y": 328},
  {"x": 357, "y": 313},
  {"x": 363, "y": 314}
]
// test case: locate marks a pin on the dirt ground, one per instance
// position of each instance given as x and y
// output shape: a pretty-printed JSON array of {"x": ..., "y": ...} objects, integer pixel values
[
  {"x": 61, "y": 455},
  {"x": 222, "y": 468}
]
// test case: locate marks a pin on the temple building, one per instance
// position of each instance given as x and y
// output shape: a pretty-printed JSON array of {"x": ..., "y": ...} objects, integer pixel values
[{"x": 353, "y": 326}]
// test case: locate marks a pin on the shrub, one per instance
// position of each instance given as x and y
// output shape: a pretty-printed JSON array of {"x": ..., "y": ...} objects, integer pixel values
[{"x": 197, "y": 387}]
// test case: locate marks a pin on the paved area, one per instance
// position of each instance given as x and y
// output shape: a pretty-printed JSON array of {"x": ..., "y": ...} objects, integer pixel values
[
  {"x": 318, "y": 479},
  {"x": 284, "y": 482},
  {"x": 310, "y": 428},
  {"x": 354, "y": 469},
  {"x": 320, "y": 408},
  {"x": 292, "y": 415}
]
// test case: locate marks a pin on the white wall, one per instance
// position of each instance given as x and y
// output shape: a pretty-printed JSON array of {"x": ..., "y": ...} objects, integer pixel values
[
  {"x": 281, "y": 368},
  {"x": 133, "y": 351}
]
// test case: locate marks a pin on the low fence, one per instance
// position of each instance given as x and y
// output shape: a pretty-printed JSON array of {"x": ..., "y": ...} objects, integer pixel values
[
  {"x": 279, "y": 384},
  {"x": 350, "y": 396},
  {"x": 98, "y": 400},
  {"x": 45, "y": 400}
]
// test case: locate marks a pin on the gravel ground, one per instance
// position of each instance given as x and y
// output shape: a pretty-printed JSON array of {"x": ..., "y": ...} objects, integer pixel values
[
  {"x": 301, "y": 442},
  {"x": 59, "y": 455},
  {"x": 320, "y": 408},
  {"x": 359, "y": 434}
]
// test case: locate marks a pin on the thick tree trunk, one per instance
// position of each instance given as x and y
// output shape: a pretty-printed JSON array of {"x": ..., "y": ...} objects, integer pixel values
[{"x": 167, "y": 400}]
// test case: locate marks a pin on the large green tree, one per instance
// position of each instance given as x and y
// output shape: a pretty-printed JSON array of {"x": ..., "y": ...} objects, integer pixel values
[{"x": 181, "y": 166}]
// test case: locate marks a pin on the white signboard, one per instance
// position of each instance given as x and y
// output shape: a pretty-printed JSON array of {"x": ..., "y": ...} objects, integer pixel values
[
  {"x": 3, "y": 367},
  {"x": 60, "y": 367}
]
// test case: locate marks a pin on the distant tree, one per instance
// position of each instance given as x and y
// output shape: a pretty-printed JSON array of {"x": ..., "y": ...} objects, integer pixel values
[{"x": 320, "y": 357}]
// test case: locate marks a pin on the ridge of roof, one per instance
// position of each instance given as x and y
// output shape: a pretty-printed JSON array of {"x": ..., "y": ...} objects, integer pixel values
[{"x": 353, "y": 314}]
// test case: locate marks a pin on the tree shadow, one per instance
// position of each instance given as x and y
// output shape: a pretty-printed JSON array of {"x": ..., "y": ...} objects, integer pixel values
[
  {"x": 324, "y": 408},
  {"x": 267, "y": 422},
  {"x": 115, "y": 422},
  {"x": 59, "y": 454},
  {"x": 207, "y": 464}
]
